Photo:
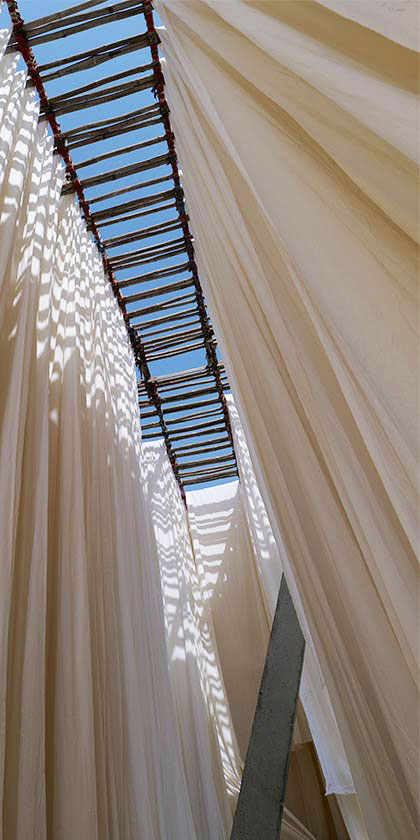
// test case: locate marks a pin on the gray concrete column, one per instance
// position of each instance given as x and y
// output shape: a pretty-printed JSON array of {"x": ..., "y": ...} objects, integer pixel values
[{"x": 261, "y": 800}]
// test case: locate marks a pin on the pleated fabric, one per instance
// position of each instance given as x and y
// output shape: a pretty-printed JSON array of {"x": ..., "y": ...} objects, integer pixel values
[
  {"x": 267, "y": 557},
  {"x": 299, "y": 126},
  {"x": 89, "y": 744},
  {"x": 213, "y": 765},
  {"x": 209, "y": 713}
]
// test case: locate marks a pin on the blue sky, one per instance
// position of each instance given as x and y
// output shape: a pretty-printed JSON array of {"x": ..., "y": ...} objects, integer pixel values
[{"x": 32, "y": 9}]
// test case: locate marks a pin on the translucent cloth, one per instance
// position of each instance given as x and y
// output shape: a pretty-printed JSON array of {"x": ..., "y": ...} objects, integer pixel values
[
  {"x": 297, "y": 128},
  {"x": 88, "y": 737}
]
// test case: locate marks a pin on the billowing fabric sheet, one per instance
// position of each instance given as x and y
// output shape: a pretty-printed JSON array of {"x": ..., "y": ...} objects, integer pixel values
[
  {"x": 267, "y": 557},
  {"x": 190, "y": 590},
  {"x": 225, "y": 554},
  {"x": 212, "y": 762},
  {"x": 299, "y": 126},
  {"x": 89, "y": 746}
]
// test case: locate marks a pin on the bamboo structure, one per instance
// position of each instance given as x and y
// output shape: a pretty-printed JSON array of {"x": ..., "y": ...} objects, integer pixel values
[{"x": 187, "y": 408}]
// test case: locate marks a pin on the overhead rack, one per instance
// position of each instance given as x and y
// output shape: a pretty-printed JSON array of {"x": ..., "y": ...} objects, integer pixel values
[{"x": 168, "y": 319}]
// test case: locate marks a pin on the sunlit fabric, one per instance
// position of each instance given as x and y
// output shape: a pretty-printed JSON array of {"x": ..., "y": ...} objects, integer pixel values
[
  {"x": 88, "y": 737},
  {"x": 299, "y": 125},
  {"x": 194, "y": 571},
  {"x": 212, "y": 762}
]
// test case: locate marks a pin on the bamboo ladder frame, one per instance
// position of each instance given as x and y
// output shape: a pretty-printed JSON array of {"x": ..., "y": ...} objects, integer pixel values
[{"x": 170, "y": 334}]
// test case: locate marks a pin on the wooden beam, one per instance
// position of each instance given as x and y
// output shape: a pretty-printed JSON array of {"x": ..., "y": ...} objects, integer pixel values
[
  {"x": 81, "y": 27},
  {"x": 154, "y": 275},
  {"x": 159, "y": 290},
  {"x": 220, "y": 459},
  {"x": 130, "y": 116},
  {"x": 189, "y": 325},
  {"x": 142, "y": 233},
  {"x": 149, "y": 249},
  {"x": 187, "y": 481},
  {"x": 187, "y": 407},
  {"x": 130, "y": 216},
  {"x": 120, "y": 151},
  {"x": 102, "y": 97},
  {"x": 59, "y": 15},
  {"x": 119, "y": 209},
  {"x": 155, "y": 357},
  {"x": 200, "y": 447},
  {"x": 121, "y": 172},
  {"x": 73, "y": 15},
  {"x": 172, "y": 303}
]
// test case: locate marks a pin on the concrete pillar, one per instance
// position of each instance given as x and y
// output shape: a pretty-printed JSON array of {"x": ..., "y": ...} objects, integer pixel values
[{"x": 261, "y": 800}]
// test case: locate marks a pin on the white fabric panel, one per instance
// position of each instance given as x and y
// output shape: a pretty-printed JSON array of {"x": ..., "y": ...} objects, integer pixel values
[
  {"x": 313, "y": 691},
  {"x": 211, "y": 757},
  {"x": 398, "y": 21},
  {"x": 88, "y": 737},
  {"x": 301, "y": 187},
  {"x": 224, "y": 554},
  {"x": 189, "y": 583},
  {"x": 353, "y": 817}
]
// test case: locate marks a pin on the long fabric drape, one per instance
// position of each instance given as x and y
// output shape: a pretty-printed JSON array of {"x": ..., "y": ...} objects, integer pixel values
[
  {"x": 299, "y": 125},
  {"x": 89, "y": 745},
  {"x": 267, "y": 557},
  {"x": 197, "y": 655},
  {"x": 212, "y": 761},
  {"x": 225, "y": 554}
]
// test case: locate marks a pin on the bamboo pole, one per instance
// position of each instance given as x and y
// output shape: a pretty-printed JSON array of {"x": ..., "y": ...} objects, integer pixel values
[
  {"x": 87, "y": 4},
  {"x": 202, "y": 392},
  {"x": 160, "y": 290},
  {"x": 172, "y": 390},
  {"x": 122, "y": 150},
  {"x": 218, "y": 443},
  {"x": 120, "y": 209},
  {"x": 189, "y": 481},
  {"x": 220, "y": 459},
  {"x": 152, "y": 249},
  {"x": 186, "y": 375},
  {"x": 121, "y": 172},
  {"x": 106, "y": 134},
  {"x": 110, "y": 121},
  {"x": 141, "y": 233},
  {"x": 177, "y": 316},
  {"x": 189, "y": 348},
  {"x": 142, "y": 68},
  {"x": 80, "y": 103},
  {"x": 172, "y": 303},
  {"x": 154, "y": 275},
  {"x": 168, "y": 332},
  {"x": 204, "y": 415},
  {"x": 93, "y": 58},
  {"x": 80, "y": 27},
  {"x": 187, "y": 407},
  {"x": 74, "y": 16},
  {"x": 132, "y": 188},
  {"x": 209, "y": 429},
  {"x": 150, "y": 259},
  {"x": 172, "y": 343},
  {"x": 139, "y": 215}
]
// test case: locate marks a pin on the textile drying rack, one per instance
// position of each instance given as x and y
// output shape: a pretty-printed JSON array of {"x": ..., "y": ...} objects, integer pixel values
[{"x": 187, "y": 408}]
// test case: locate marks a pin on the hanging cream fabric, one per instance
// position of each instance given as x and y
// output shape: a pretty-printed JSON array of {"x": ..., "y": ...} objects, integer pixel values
[
  {"x": 189, "y": 583},
  {"x": 89, "y": 746},
  {"x": 224, "y": 554},
  {"x": 226, "y": 558},
  {"x": 301, "y": 142},
  {"x": 267, "y": 557},
  {"x": 212, "y": 762}
]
